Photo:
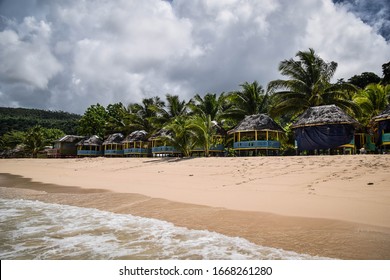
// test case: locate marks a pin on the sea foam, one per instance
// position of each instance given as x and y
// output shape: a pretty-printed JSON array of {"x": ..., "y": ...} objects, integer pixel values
[{"x": 38, "y": 230}]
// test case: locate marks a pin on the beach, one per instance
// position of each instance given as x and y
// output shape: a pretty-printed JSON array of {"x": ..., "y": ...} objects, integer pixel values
[{"x": 326, "y": 206}]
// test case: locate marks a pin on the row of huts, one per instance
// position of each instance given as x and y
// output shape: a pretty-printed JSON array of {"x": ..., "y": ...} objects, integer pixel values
[{"x": 322, "y": 127}]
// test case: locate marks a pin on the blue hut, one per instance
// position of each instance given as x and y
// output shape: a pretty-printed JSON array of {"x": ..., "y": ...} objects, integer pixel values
[
  {"x": 113, "y": 146},
  {"x": 136, "y": 144},
  {"x": 383, "y": 121},
  {"x": 256, "y": 135},
  {"x": 90, "y": 147},
  {"x": 324, "y": 127},
  {"x": 160, "y": 145}
]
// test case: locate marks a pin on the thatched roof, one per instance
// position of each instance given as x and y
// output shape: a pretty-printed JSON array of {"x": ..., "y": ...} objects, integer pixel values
[
  {"x": 384, "y": 115},
  {"x": 70, "y": 139},
  {"x": 322, "y": 115},
  {"x": 91, "y": 141},
  {"x": 256, "y": 122},
  {"x": 161, "y": 133},
  {"x": 115, "y": 138},
  {"x": 138, "y": 135}
]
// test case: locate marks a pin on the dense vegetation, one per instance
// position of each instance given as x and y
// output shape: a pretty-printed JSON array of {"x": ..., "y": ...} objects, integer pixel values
[
  {"x": 28, "y": 131},
  {"x": 193, "y": 123},
  {"x": 21, "y": 119}
]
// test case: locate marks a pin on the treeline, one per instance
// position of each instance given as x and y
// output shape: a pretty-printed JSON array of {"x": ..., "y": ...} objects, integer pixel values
[{"x": 21, "y": 119}]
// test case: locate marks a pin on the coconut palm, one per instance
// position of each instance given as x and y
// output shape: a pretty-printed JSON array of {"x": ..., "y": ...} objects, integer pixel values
[
  {"x": 210, "y": 105},
  {"x": 174, "y": 108},
  {"x": 143, "y": 116},
  {"x": 181, "y": 135},
  {"x": 35, "y": 140},
  {"x": 309, "y": 85},
  {"x": 116, "y": 119},
  {"x": 204, "y": 129},
  {"x": 250, "y": 100},
  {"x": 372, "y": 100}
]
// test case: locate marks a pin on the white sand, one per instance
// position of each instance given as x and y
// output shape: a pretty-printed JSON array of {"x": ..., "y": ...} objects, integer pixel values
[{"x": 347, "y": 188}]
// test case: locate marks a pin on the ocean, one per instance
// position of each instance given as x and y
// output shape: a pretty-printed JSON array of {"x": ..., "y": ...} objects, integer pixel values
[{"x": 45, "y": 231}]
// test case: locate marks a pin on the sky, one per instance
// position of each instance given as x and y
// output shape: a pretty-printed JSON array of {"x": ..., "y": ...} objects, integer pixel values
[{"x": 68, "y": 55}]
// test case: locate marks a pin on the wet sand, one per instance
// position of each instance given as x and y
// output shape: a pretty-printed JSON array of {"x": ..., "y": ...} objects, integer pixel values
[{"x": 297, "y": 198}]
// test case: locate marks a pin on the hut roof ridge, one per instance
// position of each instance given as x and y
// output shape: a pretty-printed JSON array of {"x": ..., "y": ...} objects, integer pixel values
[
  {"x": 384, "y": 115},
  {"x": 138, "y": 135},
  {"x": 322, "y": 115},
  {"x": 114, "y": 138},
  {"x": 257, "y": 122},
  {"x": 94, "y": 140}
]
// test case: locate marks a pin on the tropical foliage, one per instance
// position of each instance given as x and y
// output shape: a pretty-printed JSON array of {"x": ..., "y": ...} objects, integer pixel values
[
  {"x": 93, "y": 122},
  {"x": 21, "y": 119},
  {"x": 309, "y": 85},
  {"x": 372, "y": 100},
  {"x": 32, "y": 141},
  {"x": 250, "y": 100},
  {"x": 181, "y": 135}
]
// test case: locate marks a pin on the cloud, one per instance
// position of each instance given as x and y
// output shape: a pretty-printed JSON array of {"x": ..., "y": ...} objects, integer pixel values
[
  {"x": 375, "y": 13},
  {"x": 25, "y": 55},
  {"x": 76, "y": 53}
]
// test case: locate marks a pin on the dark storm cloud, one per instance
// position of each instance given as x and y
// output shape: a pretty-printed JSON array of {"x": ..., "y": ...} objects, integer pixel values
[{"x": 67, "y": 55}]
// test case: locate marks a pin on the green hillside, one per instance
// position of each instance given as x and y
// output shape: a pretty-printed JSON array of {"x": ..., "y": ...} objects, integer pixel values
[{"x": 22, "y": 119}]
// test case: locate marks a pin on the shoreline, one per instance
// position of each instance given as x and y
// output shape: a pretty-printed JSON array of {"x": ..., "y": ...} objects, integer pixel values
[{"x": 322, "y": 236}]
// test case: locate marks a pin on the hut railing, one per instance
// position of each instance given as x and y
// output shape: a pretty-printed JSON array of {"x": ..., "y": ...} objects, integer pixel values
[
  {"x": 136, "y": 151},
  {"x": 259, "y": 144},
  {"x": 113, "y": 152},
  {"x": 89, "y": 153},
  {"x": 164, "y": 149},
  {"x": 386, "y": 138},
  {"x": 218, "y": 148}
]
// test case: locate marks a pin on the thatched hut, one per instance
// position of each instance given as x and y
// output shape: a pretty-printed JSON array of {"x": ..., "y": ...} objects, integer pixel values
[
  {"x": 256, "y": 134},
  {"x": 90, "y": 147},
  {"x": 65, "y": 146},
  {"x": 113, "y": 146},
  {"x": 383, "y": 120},
  {"x": 159, "y": 144},
  {"x": 218, "y": 146},
  {"x": 136, "y": 144},
  {"x": 324, "y": 127}
]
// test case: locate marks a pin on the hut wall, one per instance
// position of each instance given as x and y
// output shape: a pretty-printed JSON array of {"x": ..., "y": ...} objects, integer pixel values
[
  {"x": 384, "y": 132},
  {"x": 323, "y": 136}
]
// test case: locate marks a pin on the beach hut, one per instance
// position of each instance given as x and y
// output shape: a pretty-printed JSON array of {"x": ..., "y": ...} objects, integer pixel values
[
  {"x": 218, "y": 139},
  {"x": 90, "y": 147},
  {"x": 324, "y": 127},
  {"x": 383, "y": 121},
  {"x": 160, "y": 146},
  {"x": 256, "y": 135},
  {"x": 136, "y": 144},
  {"x": 113, "y": 146},
  {"x": 65, "y": 147}
]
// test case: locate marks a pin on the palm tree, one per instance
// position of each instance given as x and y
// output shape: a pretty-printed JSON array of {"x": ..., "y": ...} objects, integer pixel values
[
  {"x": 250, "y": 100},
  {"x": 181, "y": 135},
  {"x": 204, "y": 129},
  {"x": 210, "y": 105},
  {"x": 35, "y": 140},
  {"x": 143, "y": 116},
  {"x": 116, "y": 119},
  {"x": 372, "y": 100},
  {"x": 309, "y": 85},
  {"x": 174, "y": 108}
]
